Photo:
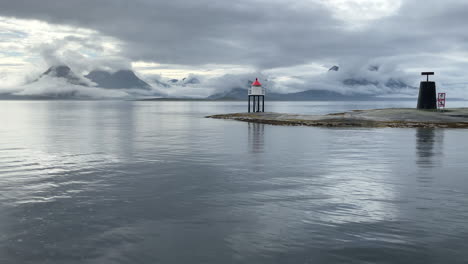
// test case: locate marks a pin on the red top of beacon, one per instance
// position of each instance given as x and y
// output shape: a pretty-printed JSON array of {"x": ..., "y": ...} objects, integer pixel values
[{"x": 256, "y": 83}]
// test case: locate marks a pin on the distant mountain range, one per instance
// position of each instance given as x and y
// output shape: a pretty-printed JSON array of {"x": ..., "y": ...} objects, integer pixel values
[
  {"x": 309, "y": 95},
  {"x": 128, "y": 80},
  {"x": 240, "y": 93},
  {"x": 393, "y": 84},
  {"x": 121, "y": 79},
  {"x": 360, "y": 81}
]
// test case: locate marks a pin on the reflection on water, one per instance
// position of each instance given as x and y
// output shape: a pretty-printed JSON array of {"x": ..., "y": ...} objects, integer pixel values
[
  {"x": 155, "y": 182},
  {"x": 256, "y": 137},
  {"x": 429, "y": 147}
]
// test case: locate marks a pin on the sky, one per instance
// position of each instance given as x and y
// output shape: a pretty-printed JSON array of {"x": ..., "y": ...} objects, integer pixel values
[{"x": 290, "y": 43}]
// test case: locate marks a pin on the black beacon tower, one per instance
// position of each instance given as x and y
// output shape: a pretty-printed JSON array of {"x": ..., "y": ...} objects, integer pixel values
[{"x": 427, "y": 93}]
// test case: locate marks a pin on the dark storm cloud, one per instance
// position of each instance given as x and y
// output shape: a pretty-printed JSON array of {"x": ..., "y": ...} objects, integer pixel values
[{"x": 265, "y": 34}]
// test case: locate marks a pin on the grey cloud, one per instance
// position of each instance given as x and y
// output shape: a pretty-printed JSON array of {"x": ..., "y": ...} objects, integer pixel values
[
  {"x": 196, "y": 32},
  {"x": 265, "y": 34}
]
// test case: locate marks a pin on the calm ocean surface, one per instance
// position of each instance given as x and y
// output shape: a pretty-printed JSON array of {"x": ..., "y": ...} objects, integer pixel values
[{"x": 155, "y": 182}]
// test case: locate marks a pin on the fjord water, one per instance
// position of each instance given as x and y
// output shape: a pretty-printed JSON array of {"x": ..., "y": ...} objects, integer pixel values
[{"x": 156, "y": 182}]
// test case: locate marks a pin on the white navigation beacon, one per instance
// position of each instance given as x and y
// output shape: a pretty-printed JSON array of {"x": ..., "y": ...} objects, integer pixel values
[
  {"x": 256, "y": 88},
  {"x": 257, "y": 96}
]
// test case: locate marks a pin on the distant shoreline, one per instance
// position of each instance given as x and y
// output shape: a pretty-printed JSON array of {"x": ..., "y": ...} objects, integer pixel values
[
  {"x": 285, "y": 100},
  {"x": 50, "y": 98},
  {"x": 391, "y": 117}
]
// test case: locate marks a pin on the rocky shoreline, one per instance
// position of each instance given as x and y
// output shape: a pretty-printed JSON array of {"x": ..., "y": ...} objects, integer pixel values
[{"x": 392, "y": 117}]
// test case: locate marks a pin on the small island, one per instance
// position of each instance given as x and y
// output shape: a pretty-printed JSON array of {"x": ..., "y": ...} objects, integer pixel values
[{"x": 392, "y": 117}]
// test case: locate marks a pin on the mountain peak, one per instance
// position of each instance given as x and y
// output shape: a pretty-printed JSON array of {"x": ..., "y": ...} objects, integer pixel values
[
  {"x": 121, "y": 79},
  {"x": 63, "y": 71},
  {"x": 191, "y": 80}
]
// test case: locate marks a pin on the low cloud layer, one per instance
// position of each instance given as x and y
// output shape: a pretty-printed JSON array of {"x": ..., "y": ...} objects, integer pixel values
[{"x": 60, "y": 88}]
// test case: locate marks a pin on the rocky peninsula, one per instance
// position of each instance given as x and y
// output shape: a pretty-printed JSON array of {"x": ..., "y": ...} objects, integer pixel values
[{"x": 392, "y": 117}]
